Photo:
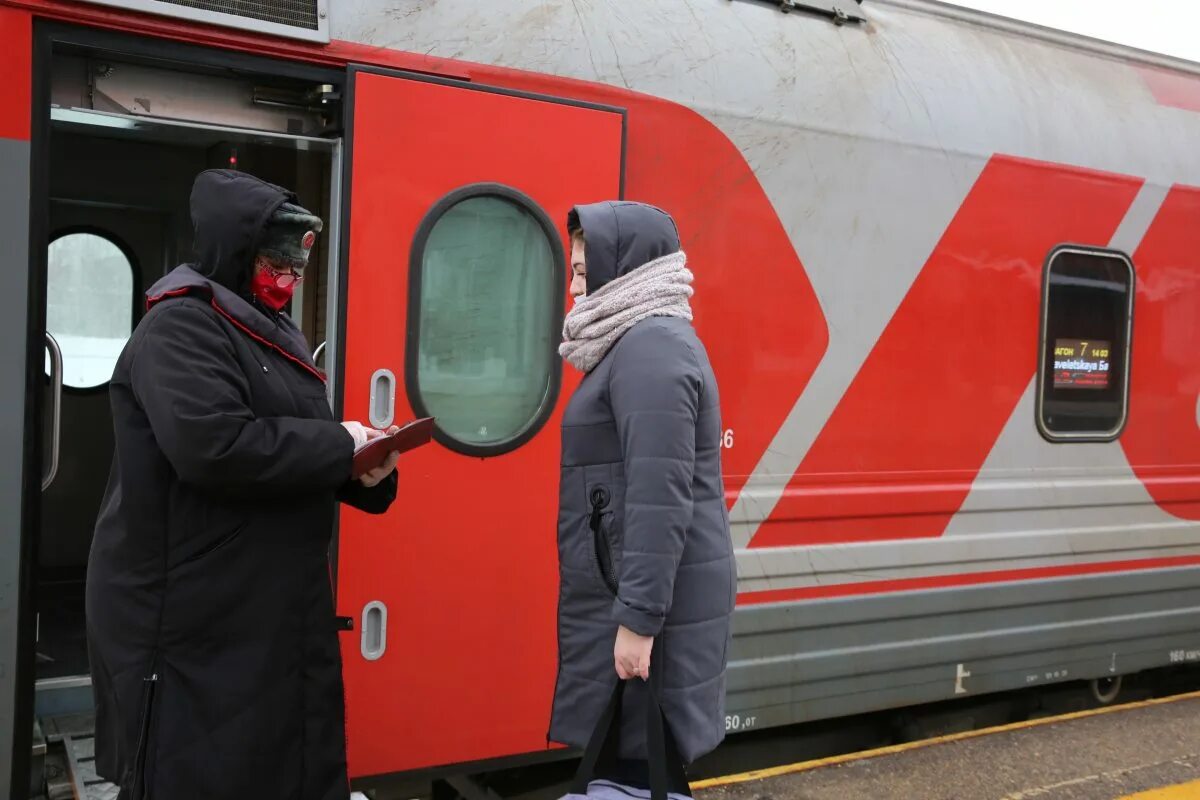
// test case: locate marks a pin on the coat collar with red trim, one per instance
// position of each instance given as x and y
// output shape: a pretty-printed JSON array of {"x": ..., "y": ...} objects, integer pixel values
[{"x": 278, "y": 333}]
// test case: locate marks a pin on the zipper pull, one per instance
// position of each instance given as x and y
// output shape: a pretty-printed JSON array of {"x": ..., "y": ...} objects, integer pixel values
[{"x": 599, "y": 499}]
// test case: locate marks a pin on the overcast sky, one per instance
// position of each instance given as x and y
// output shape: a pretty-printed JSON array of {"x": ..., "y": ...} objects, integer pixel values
[{"x": 1164, "y": 26}]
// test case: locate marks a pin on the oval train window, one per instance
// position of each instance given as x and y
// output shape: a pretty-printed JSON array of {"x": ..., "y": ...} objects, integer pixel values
[
  {"x": 485, "y": 319},
  {"x": 89, "y": 305}
]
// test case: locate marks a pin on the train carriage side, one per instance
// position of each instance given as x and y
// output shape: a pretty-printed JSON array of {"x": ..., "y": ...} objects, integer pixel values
[
  {"x": 925, "y": 508},
  {"x": 954, "y": 465}
]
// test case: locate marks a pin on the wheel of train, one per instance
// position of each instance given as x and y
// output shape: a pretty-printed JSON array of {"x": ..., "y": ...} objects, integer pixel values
[{"x": 1105, "y": 690}]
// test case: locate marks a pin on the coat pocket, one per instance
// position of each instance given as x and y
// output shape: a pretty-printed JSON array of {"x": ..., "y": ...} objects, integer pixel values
[
  {"x": 141, "y": 789},
  {"x": 213, "y": 546},
  {"x": 600, "y": 524}
]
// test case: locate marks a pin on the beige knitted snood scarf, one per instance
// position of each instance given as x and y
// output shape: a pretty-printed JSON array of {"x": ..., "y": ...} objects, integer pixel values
[{"x": 660, "y": 288}]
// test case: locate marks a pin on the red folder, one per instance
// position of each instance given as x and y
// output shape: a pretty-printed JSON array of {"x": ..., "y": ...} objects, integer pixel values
[{"x": 375, "y": 452}]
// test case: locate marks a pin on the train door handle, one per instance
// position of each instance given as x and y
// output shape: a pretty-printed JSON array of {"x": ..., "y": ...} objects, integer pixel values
[
  {"x": 383, "y": 399},
  {"x": 56, "y": 385},
  {"x": 374, "y": 630},
  {"x": 316, "y": 355}
]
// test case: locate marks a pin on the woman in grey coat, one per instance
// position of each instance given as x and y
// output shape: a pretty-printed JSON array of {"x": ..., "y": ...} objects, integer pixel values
[{"x": 645, "y": 557}]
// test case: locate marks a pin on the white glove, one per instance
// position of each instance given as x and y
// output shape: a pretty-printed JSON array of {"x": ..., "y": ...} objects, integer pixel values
[{"x": 358, "y": 432}]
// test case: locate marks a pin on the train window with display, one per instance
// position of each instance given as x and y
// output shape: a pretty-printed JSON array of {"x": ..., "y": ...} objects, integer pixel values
[{"x": 1087, "y": 325}]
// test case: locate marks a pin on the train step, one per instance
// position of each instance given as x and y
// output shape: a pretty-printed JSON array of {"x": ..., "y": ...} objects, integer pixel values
[
  {"x": 70, "y": 759},
  {"x": 65, "y": 754}
]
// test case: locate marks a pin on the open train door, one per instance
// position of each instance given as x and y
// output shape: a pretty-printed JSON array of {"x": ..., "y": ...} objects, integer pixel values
[{"x": 456, "y": 288}]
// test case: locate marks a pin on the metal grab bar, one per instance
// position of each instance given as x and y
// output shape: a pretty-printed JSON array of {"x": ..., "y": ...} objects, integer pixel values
[
  {"x": 56, "y": 385},
  {"x": 317, "y": 353}
]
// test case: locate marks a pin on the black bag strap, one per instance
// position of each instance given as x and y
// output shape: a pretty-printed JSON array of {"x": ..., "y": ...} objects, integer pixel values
[
  {"x": 656, "y": 744},
  {"x": 600, "y": 737},
  {"x": 661, "y": 772}
]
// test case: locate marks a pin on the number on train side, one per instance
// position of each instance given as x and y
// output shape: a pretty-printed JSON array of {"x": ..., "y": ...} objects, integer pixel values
[
  {"x": 727, "y": 439},
  {"x": 736, "y": 722}
]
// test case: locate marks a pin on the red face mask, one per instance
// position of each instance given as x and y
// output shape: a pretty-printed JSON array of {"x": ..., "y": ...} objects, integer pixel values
[{"x": 272, "y": 287}]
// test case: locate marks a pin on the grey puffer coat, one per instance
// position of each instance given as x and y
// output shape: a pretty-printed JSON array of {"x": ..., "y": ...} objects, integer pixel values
[{"x": 643, "y": 529}]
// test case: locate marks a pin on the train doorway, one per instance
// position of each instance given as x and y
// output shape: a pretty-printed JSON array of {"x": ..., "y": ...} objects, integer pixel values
[{"x": 124, "y": 133}]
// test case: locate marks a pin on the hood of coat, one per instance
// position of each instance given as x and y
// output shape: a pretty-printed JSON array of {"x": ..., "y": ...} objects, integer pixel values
[
  {"x": 229, "y": 211},
  {"x": 622, "y": 236}
]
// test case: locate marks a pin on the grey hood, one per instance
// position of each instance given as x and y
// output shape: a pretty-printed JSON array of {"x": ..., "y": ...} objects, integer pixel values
[{"x": 622, "y": 236}]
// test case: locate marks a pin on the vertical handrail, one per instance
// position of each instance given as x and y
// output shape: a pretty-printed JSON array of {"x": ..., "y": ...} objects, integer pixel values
[
  {"x": 56, "y": 385},
  {"x": 316, "y": 356}
]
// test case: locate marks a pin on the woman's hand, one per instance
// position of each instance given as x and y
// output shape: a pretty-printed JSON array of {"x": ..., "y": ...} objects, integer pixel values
[
  {"x": 375, "y": 476},
  {"x": 360, "y": 433},
  {"x": 632, "y": 654}
]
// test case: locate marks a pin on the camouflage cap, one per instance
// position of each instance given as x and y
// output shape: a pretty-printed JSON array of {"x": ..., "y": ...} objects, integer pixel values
[{"x": 289, "y": 236}]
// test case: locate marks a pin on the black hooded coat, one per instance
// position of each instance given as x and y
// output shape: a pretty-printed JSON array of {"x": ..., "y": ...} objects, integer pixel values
[
  {"x": 210, "y": 617},
  {"x": 643, "y": 529}
]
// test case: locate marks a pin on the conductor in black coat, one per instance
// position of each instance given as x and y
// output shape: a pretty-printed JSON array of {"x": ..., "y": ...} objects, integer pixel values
[{"x": 210, "y": 615}]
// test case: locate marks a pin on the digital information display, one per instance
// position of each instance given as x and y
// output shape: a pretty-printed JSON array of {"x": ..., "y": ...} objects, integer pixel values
[{"x": 1081, "y": 364}]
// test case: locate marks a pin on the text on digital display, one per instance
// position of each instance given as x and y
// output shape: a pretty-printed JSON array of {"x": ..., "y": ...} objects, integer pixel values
[{"x": 1081, "y": 364}]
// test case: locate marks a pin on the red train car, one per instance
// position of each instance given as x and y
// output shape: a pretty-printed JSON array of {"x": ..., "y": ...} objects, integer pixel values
[{"x": 948, "y": 270}]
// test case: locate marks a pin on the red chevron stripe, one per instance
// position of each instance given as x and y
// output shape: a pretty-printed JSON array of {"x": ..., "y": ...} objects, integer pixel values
[
  {"x": 945, "y": 376},
  {"x": 1162, "y": 433}
]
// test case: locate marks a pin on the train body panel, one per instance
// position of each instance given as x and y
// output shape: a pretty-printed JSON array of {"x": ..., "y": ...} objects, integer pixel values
[
  {"x": 15, "y": 159},
  {"x": 870, "y": 211}
]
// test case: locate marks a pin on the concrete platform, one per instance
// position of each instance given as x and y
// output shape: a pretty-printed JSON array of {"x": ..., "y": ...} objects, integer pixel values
[{"x": 1147, "y": 751}]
